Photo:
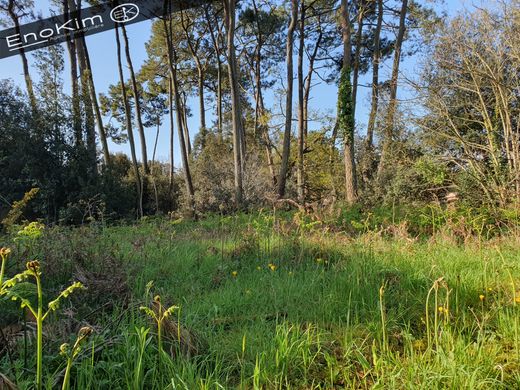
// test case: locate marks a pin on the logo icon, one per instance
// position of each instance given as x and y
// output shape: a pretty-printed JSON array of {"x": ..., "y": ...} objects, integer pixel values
[{"x": 124, "y": 13}]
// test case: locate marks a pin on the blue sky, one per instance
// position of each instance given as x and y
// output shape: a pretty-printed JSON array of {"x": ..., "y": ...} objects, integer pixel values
[{"x": 102, "y": 50}]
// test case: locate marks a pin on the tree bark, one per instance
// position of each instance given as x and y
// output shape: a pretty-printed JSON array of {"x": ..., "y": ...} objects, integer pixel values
[
  {"x": 375, "y": 77},
  {"x": 288, "y": 100},
  {"x": 345, "y": 109},
  {"x": 301, "y": 109},
  {"x": 83, "y": 49},
  {"x": 357, "y": 54},
  {"x": 238, "y": 131},
  {"x": 172, "y": 130},
  {"x": 137, "y": 102},
  {"x": 172, "y": 67},
  {"x": 368, "y": 152},
  {"x": 128, "y": 119},
  {"x": 76, "y": 109},
  {"x": 215, "y": 40},
  {"x": 392, "y": 103}
]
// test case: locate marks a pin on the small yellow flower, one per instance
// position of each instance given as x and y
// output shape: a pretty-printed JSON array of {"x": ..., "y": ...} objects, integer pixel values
[
  {"x": 489, "y": 289},
  {"x": 441, "y": 309},
  {"x": 272, "y": 267},
  {"x": 259, "y": 268},
  {"x": 318, "y": 260},
  {"x": 234, "y": 274},
  {"x": 517, "y": 299},
  {"x": 481, "y": 297}
]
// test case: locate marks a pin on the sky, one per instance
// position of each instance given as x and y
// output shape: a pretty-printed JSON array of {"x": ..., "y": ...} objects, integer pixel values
[{"x": 102, "y": 50}]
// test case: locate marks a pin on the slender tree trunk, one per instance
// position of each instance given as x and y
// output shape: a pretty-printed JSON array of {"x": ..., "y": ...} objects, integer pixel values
[
  {"x": 260, "y": 125},
  {"x": 90, "y": 128},
  {"x": 215, "y": 40},
  {"x": 128, "y": 119},
  {"x": 172, "y": 66},
  {"x": 27, "y": 76},
  {"x": 345, "y": 109},
  {"x": 172, "y": 129},
  {"x": 357, "y": 54},
  {"x": 301, "y": 109},
  {"x": 288, "y": 100},
  {"x": 238, "y": 132},
  {"x": 76, "y": 109},
  {"x": 308, "y": 78},
  {"x": 368, "y": 158},
  {"x": 392, "y": 103},
  {"x": 135, "y": 91},
  {"x": 83, "y": 50},
  {"x": 375, "y": 76},
  {"x": 203, "y": 129},
  {"x": 185, "y": 127}
]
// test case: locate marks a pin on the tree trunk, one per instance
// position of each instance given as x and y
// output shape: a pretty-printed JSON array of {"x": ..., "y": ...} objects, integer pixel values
[
  {"x": 128, "y": 119},
  {"x": 375, "y": 77},
  {"x": 301, "y": 109},
  {"x": 90, "y": 128},
  {"x": 76, "y": 109},
  {"x": 172, "y": 130},
  {"x": 308, "y": 78},
  {"x": 172, "y": 67},
  {"x": 260, "y": 125},
  {"x": 392, "y": 103},
  {"x": 345, "y": 109},
  {"x": 215, "y": 41},
  {"x": 368, "y": 153},
  {"x": 27, "y": 76},
  {"x": 357, "y": 54},
  {"x": 83, "y": 50},
  {"x": 135, "y": 91},
  {"x": 238, "y": 132},
  {"x": 288, "y": 100}
]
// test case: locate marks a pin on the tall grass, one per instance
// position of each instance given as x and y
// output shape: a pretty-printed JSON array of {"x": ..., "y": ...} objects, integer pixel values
[{"x": 277, "y": 303}]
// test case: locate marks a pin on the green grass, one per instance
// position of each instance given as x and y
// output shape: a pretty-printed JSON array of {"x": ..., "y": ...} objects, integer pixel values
[{"x": 314, "y": 321}]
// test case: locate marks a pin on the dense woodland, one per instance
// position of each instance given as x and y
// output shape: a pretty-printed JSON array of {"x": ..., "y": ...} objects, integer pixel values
[{"x": 455, "y": 129}]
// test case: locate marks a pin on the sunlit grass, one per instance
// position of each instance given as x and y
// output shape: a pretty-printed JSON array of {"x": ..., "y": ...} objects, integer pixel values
[{"x": 275, "y": 305}]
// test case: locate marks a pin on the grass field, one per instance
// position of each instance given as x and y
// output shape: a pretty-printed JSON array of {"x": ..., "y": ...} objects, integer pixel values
[{"x": 267, "y": 302}]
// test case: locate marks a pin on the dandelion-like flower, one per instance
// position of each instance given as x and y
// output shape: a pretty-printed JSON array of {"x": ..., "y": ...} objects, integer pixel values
[
  {"x": 272, "y": 267},
  {"x": 234, "y": 274},
  {"x": 481, "y": 297}
]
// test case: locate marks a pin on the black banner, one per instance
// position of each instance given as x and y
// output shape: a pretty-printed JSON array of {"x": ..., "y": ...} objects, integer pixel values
[{"x": 84, "y": 22}]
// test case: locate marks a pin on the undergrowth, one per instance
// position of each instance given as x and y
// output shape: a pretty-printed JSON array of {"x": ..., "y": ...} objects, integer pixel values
[{"x": 268, "y": 301}]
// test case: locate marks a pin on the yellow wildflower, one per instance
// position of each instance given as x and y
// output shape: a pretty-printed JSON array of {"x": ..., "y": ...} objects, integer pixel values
[
  {"x": 517, "y": 299},
  {"x": 272, "y": 267},
  {"x": 234, "y": 274},
  {"x": 481, "y": 297}
]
